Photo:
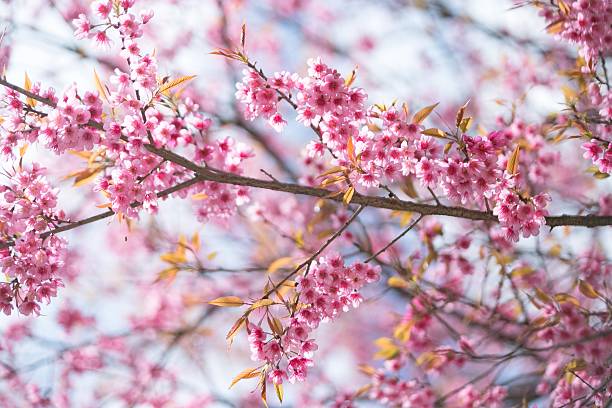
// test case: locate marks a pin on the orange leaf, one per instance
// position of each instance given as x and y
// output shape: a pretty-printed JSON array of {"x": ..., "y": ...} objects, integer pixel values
[
  {"x": 423, "y": 113},
  {"x": 350, "y": 149},
  {"x": 279, "y": 263},
  {"x": 433, "y": 132},
  {"x": 174, "y": 83},
  {"x": 279, "y": 392},
  {"x": 28, "y": 86},
  {"x": 243, "y": 36},
  {"x": 248, "y": 373},
  {"x": 460, "y": 114},
  {"x": 351, "y": 78},
  {"x": 587, "y": 290},
  {"x": 100, "y": 87},
  {"x": 235, "y": 328},
  {"x": 348, "y": 195},
  {"x": 513, "y": 161},
  {"x": 227, "y": 301},
  {"x": 167, "y": 274},
  {"x": 261, "y": 303}
]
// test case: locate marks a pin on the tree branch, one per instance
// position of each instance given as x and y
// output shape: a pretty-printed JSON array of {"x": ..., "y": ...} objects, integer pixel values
[
  {"x": 588, "y": 221},
  {"x": 108, "y": 213}
]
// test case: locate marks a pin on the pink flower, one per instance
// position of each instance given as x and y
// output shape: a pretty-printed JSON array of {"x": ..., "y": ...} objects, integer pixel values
[
  {"x": 277, "y": 122},
  {"x": 102, "y": 8},
  {"x": 83, "y": 27},
  {"x": 277, "y": 376},
  {"x": 102, "y": 39},
  {"x": 298, "y": 369}
]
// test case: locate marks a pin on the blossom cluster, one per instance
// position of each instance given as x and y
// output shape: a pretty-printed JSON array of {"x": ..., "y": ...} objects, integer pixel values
[
  {"x": 118, "y": 127},
  {"x": 599, "y": 154},
  {"x": 31, "y": 262},
  {"x": 520, "y": 216},
  {"x": 595, "y": 268},
  {"x": 261, "y": 95},
  {"x": 582, "y": 22},
  {"x": 328, "y": 289},
  {"x": 383, "y": 144},
  {"x": 112, "y": 14},
  {"x": 586, "y": 359},
  {"x": 395, "y": 392},
  {"x": 599, "y": 149},
  {"x": 66, "y": 127},
  {"x": 138, "y": 174},
  {"x": 493, "y": 397},
  {"x": 221, "y": 200}
]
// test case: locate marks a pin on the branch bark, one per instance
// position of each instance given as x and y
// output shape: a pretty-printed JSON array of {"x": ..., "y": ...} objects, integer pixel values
[{"x": 589, "y": 221}]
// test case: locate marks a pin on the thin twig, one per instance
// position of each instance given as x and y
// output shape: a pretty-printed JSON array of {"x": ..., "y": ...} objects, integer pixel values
[
  {"x": 317, "y": 252},
  {"x": 394, "y": 240}
]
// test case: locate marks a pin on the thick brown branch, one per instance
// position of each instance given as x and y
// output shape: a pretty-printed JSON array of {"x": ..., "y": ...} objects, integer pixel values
[{"x": 589, "y": 221}]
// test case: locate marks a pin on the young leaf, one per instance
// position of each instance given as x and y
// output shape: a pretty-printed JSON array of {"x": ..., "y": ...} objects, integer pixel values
[
  {"x": 351, "y": 78},
  {"x": 521, "y": 271},
  {"x": 27, "y": 84},
  {"x": 243, "y": 36},
  {"x": 362, "y": 391},
  {"x": 408, "y": 188},
  {"x": 465, "y": 124},
  {"x": 565, "y": 10},
  {"x": 448, "y": 146},
  {"x": 566, "y": 298},
  {"x": 167, "y": 274},
  {"x": 23, "y": 149},
  {"x": 227, "y": 301},
  {"x": 263, "y": 394},
  {"x": 279, "y": 263},
  {"x": 513, "y": 161},
  {"x": 279, "y": 392},
  {"x": 333, "y": 180},
  {"x": 423, "y": 113},
  {"x": 435, "y": 132},
  {"x": 173, "y": 257},
  {"x": 402, "y": 331},
  {"x": 299, "y": 238},
  {"x": 542, "y": 296},
  {"x": 261, "y": 303},
  {"x": 366, "y": 369},
  {"x": 387, "y": 349},
  {"x": 600, "y": 176},
  {"x": 587, "y": 290},
  {"x": 333, "y": 170},
  {"x": 348, "y": 195},
  {"x": 86, "y": 176},
  {"x": 555, "y": 27},
  {"x": 195, "y": 241},
  {"x": 350, "y": 149},
  {"x": 275, "y": 325},
  {"x": 199, "y": 196},
  {"x": 164, "y": 89},
  {"x": 235, "y": 328},
  {"x": 100, "y": 87},
  {"x": 397, "y": 282},
  {"x": 460, "y": 113},
  {"x": 248, "y": 373}
]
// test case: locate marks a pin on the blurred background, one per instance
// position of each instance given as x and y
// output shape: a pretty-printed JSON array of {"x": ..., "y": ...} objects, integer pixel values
[{"x": 416, "y": 51}]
